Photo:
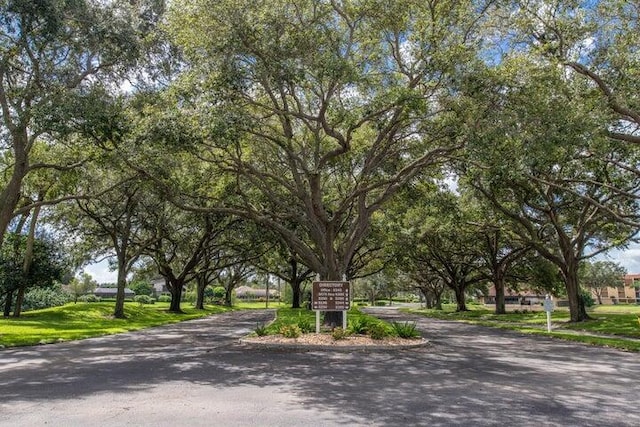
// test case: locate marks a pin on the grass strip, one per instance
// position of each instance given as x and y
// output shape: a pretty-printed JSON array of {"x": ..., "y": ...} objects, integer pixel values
[
  {"x": 608, "y": 329},
  {"x": 85, "y": 320}
]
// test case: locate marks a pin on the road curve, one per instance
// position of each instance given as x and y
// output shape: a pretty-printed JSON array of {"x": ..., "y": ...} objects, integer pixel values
[{"x": 196, "y": 373}]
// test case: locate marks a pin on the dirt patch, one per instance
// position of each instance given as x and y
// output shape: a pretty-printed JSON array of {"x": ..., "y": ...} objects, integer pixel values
[{"x": 326, "y": 340}]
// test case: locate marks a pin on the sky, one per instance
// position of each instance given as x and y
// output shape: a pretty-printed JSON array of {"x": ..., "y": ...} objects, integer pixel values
[
  {"x": 628, "y": 258},
  {"x": 100, "y": 272}
]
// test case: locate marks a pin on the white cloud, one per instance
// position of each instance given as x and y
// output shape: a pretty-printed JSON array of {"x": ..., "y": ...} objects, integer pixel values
[
  {"x": 628, "y": 258},
  {"x": 100, "y": 272}
]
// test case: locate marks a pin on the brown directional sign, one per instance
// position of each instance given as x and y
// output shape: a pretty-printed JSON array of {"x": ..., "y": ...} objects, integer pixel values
[{"x": 330, "y": 296}]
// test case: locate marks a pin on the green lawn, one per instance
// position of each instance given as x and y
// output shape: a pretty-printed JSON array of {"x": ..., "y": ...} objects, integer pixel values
[
  {"x": 84, "y": 320},
  {"x": 620, "y": 308},
  {"x": 245, "y": 305},
  {"x": 291, "y": 316},
  {"x": 613, "y": 321}
]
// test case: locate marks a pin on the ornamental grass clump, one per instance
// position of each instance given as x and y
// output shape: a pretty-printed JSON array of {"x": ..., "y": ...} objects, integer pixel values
[
  {"x": 261, "y": 330},
  {"x": 405, "y": 330},
  {"x": 304, "y": 324},
  {"x": 358, "y": 325}
]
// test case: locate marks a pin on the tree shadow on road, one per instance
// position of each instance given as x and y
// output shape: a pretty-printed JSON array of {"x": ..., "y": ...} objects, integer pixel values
[{"x": 469, "y": 375}]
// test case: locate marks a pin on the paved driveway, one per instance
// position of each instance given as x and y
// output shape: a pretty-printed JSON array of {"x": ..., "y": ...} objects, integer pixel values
[{"x": 196, "y": 373}]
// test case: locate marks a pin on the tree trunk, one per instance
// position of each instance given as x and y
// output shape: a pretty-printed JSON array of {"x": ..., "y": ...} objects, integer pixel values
[
  {"x": 201, "y": 282},
  {"x": 17, "y": 309},
  {"x": 8, "y": 302},
  {"x": 428, "y": 298},
  {"x": 227, "y": 295},
  {"x": 118, "y": 312},
  {"x": 438, "y": 303},
  {"x": 437, "y": 294},
  {"x": 28, "y": 260},
  {"x": 599, "y": 296},
  {"x": 10, "y": 195},
  {"x": 295, "y": 284},
  {"x": 200, "y": 298},
  {"x": 175, "y": 287},
  {"x": 498, "y": 282},
  {"x": 266, "y": 303},
  {"x": 461, "y": 304},
  {"x": 577, "y": 308},
  {"x": 333, "y": 319},
  {"x": 295, "y": 290}
]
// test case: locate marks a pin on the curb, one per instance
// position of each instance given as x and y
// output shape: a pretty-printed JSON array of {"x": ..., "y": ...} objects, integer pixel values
[{"x": 249, "y": 342}]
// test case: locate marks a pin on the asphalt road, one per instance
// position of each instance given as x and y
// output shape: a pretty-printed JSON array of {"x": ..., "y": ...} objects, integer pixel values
[{"x": 196, "y": 373}]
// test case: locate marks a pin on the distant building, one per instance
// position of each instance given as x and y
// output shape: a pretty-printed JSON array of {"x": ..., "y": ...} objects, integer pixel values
[
  {"x": 159, "y": 286},
  {"x": 522, "y": 297},
  {"x": 251, "y": 294},
  {"x": 628, "y": 293},
  {"x": 111, "y": 292}
]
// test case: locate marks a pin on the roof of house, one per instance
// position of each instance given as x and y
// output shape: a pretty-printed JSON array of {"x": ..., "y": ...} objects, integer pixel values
[
  {"x": 242, "y": 291},
  {"x": 511, "y": 293},
  {"x": 111, "y": 291},
  {"x": 631, "y": 278}
]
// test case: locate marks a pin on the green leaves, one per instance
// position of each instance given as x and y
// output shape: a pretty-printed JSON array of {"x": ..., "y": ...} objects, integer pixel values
[{"x": 602, "y": 274}]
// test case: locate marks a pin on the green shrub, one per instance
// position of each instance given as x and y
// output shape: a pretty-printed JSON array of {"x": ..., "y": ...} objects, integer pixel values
[
  {"x": 381, "y": 303},
  {"x": 141, "y": 287},
  {"x": 290, "y": 331},
  {"x": 358, "y": 325},
  {"x": 144, "y": 299},
  {"x": 261, "y": 330},
  {"x": 219, "y": 292},
  {"x": 39, "y": 298},
  {"x": 89, "y": 298},
  {"x": 405, "y": 330},
  {"x": 377, "y": 331},
  {"x": 190, "y": 296},
  {"x": 339, "y": 334},
  {"x": 305, "y": 325},
  {"x": 164, "y": 298},
  {"x": 587, "y": 298}
]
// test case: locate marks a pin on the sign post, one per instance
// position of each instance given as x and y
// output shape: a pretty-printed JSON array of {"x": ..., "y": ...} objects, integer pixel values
[
  {"x": 330, "y": 296},
  {"x": 548, "y": 308}
]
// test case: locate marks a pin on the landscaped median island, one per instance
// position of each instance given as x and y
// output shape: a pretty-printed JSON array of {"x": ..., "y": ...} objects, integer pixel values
[
  {"x": 611, "y": 326},
  {"x": 296, "y": 328},
  {"x": 85, "y": 320}
]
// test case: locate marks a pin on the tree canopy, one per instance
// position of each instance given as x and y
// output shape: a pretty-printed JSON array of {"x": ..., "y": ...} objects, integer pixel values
[{"x": 339, "y": 138}]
